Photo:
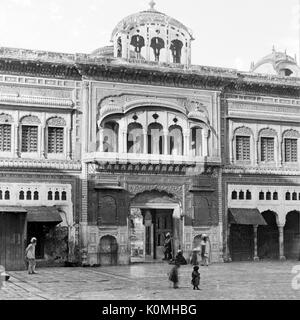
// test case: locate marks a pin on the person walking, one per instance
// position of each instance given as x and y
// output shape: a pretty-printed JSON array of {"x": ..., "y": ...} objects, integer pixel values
[
  {"x": 30, "y": 256},
  {"x": 196, "y": 278},
  {"x": 205, "y": 251},
  {"x": 168, "y": 247},
  {"x": 174, "y": 275}
]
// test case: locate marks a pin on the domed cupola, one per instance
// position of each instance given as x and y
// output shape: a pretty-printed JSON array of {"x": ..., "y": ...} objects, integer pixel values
[
  {"x": 277, "y": 63},
  {"x": 153, "y": 36}
]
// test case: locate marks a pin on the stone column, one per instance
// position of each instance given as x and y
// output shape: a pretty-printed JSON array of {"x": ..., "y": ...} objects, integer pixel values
[
  {"x": 145, "y": 137},
  {"x": 17, "y": 141},
  {"x": 165, "y": 144},
  {"x": 43, "y": 143},
  {"x": 281, "y": 242},
  {"x": 186, "y": 145},
  {"x": 255, "y": 256},
  {"x": 205, "y": 143},
  {"x": 124, "y": 134},
  {"x": 228, "y": 243},
  {"x": 83, "y": 225},
  {"x": 101, "y": 139},
  {"x": 69, "y": 143}
]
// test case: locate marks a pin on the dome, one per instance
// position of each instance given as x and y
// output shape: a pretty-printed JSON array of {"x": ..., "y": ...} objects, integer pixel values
[
  {"x": 277, "y": 63},
  {"x": 152, "y": 36},
  {"x": 148, "y": 17}
]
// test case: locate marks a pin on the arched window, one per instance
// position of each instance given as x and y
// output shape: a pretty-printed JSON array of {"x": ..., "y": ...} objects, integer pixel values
[
  {"x": 5, "y": 137},
  {"x": 241, "y": 195},
  {"x": 268, "y": 196},
  {"x": 110, "y": 136},
  {"x": 1, "y": 195},
  {"x": 196, "y": 141},
  {"x": 135, "y": 138},
  {"x": 248, "y": 195},
  {"x": 155, "y": 139},
  {"x": 175, "y": 47},
  {"x": 275, "y": 195},
  {"x": 35, "y": 195},
  {"x": 7, "y": 195},
  {"x": 50, "y": 195},
  {"x": 157, "y": 44},
  {"x": 29, "y": 134},
  {"x": 21, "y": 195},
  {"x": 64, "y": 196},
  {"x": 243, "y": 144},
  {"x": 234, "y": 195},
  {"x": 56, "y": 135},
  {"x": 288, "y": 196},
  {"x": 261, "y": 196},
  {"x": 294, "y": 196},
  {"x": 56, "y": 196},
  {"x": 267, "y": 145},
  {"x": 138, "y": 42},
  {"x": 28, "y": 195},
  {"x": 175, "y": 141}
]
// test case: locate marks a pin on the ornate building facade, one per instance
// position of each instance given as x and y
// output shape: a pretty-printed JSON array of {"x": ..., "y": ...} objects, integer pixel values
[{"x": 92, "y": 143}]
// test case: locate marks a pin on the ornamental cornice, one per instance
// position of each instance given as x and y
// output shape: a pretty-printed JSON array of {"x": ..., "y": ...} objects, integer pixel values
[
  {"x": 6, "y": 98},
  {"x": 40, "y": 164}
]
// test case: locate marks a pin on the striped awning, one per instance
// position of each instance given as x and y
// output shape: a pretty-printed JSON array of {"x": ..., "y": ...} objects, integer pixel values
[
  {"x": 245, "y": 217},
  {"x": 43, "y": 214}
]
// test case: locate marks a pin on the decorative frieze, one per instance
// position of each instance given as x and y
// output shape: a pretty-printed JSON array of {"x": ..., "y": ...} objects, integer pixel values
[{"x": 6, "y": 98}]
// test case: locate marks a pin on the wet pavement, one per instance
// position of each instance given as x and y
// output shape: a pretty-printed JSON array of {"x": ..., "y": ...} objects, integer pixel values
[{"x": 256, "y": 280}]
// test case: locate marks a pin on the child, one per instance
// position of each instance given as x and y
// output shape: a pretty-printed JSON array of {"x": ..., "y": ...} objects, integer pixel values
[
  {"x": 196, "y": 278},
  {"x": 173, "y": 276}
]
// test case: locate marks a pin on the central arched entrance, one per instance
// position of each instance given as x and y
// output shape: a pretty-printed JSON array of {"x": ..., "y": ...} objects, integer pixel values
[
  {"x": 154, "y": 214},
  {"x": 268, "y": 237}
]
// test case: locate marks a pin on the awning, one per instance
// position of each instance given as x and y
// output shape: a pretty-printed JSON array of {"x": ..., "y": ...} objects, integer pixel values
[
  {"x": 43, "y": 214},
  {"x": 12, "y": 209},
  {"x": 108, "y": 187},
  {"x": 246, "y": 217}
]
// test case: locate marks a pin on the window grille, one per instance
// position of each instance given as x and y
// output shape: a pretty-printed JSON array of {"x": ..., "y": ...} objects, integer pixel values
[
  {"x": 5, "y": 137},
  {"x": 234, "y": 195},
  {"x": 291, "y": 150},
  {"x": 35, "y": 195},
  {"x": 267, "y": 149},
  {"x": 294, "y": 196},
  {"x": 288, "y": 196},
  {"x": 275, "y": 195},
  {"x": 28, "y": 195},
  {"x": 248, "y": 195},
  {"x": 50, "y": 195},
  {"x": 29, "y": 138},
  {"x": 241, "y": 195},
  {"x": 64, "y": 196},
  {"x": 6, "y": 195},
  {"x": 242, "y": 148},
  {"x": 261, "y": 196},
  {"x": 268, "y": 196},
  {"x": 21, "y": 195},
  {"x": 56, "y": 197},
  {"x": 1, "y": 195},
  {"x": 55, "y": 140}
]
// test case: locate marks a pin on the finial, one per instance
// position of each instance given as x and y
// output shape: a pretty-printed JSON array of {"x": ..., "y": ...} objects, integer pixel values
[{"x": 152, "y": 4}]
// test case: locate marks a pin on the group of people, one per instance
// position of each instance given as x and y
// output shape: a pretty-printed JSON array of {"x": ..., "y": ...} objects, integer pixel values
[{"x": 179, "y": 260}]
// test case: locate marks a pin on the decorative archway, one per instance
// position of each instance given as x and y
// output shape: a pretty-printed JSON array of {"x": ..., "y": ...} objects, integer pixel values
[{"x": 268, "y": 237}]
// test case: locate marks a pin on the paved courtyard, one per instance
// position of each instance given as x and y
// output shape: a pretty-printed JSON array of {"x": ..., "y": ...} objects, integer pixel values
[{"x": 261, "y": 280}]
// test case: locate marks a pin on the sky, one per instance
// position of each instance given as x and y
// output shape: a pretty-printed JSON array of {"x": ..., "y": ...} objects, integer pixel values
[{"x": 228, "y": 33}]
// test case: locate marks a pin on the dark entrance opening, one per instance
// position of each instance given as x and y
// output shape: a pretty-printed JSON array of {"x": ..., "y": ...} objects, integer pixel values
[
  {"x": 292, "y": 236},
  {"x": 268, "y": 237},
  {"x": 12, "y": 228},
  {"x": 37, "y": 230},
  {"x": 108, "y": 253},
  {"x": 241, "y": 242}
]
